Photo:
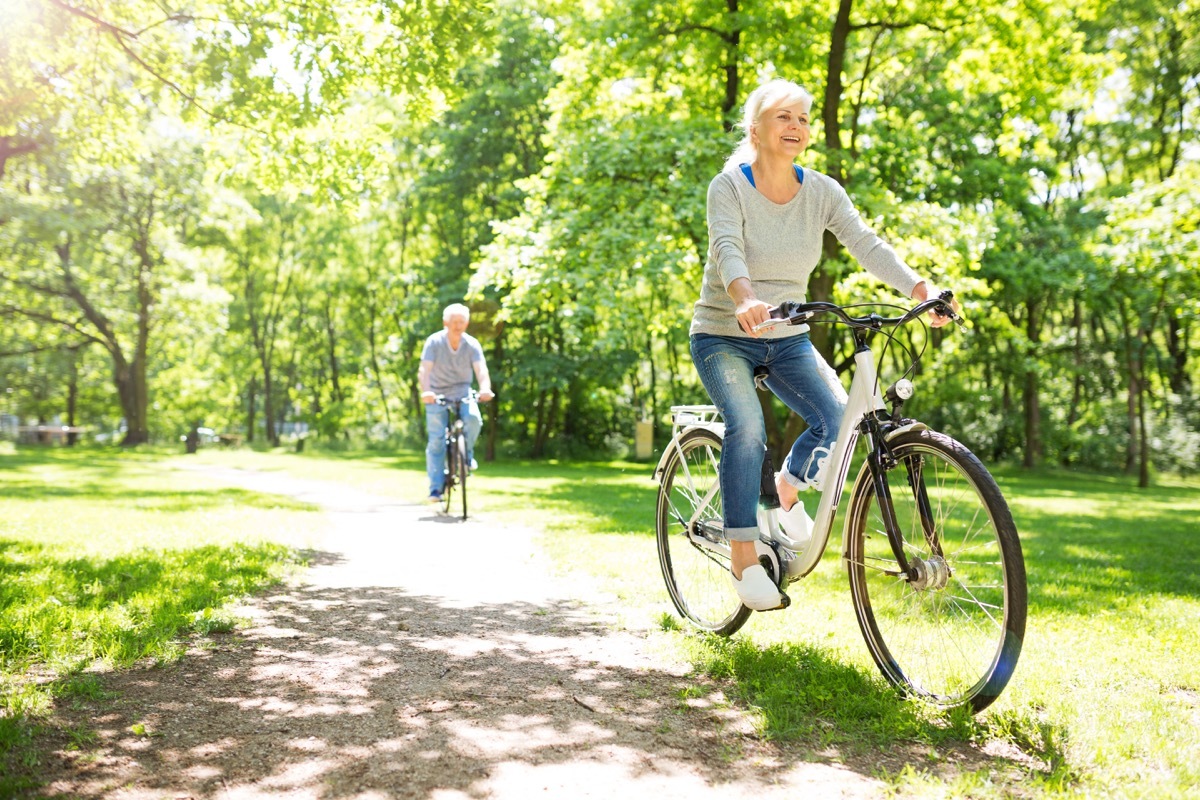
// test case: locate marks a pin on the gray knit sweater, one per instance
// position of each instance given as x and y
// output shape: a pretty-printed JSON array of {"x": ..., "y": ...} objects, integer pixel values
[{"x": 778, "y": 246}]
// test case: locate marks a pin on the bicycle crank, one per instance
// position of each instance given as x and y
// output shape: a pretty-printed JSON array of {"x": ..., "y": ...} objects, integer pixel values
[{"x": 769, "y": 558}]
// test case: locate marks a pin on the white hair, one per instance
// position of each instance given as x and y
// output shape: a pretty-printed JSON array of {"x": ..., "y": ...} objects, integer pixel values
[
  {"x": 456, "y": 310},
  {"x": 771, "y": 94}
]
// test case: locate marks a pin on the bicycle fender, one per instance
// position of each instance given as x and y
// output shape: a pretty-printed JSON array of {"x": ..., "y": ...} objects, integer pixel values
[
  {"x": 673, "y": 446},
  {"x": 912, "y": 426}
]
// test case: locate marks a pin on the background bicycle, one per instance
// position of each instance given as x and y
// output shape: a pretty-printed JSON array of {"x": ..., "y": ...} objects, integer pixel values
[
  {"x": 458, "y": 462},
  {"x": 936, "y": 572}
]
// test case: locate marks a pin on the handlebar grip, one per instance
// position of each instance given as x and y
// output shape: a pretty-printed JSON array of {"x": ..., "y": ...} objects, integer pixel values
[
  {"x": 784, "y": 310},
  {"x": 945, "y": 309}
]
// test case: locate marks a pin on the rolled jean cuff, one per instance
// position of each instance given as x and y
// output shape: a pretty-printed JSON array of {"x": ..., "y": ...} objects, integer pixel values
[
  {"x": 742, "y": 534},
  {"x": 788, "y": 477}
]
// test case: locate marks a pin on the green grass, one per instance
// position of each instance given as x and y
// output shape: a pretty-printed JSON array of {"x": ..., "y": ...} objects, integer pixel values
[
  {"x": 1105, "y": 701},
  {"x": 106, "y": 560}
]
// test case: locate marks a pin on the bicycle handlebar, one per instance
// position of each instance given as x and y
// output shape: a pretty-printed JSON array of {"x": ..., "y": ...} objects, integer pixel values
[
  {"x": 793, "y": 313},
  {"x": 472, "y": 395}
]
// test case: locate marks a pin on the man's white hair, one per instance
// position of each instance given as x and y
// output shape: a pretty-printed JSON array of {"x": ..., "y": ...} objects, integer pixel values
[{"x": 456, "y": 310}]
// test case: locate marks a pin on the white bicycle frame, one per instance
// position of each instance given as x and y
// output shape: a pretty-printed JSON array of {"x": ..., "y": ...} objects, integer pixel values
[{"x": 864, "y": 398}]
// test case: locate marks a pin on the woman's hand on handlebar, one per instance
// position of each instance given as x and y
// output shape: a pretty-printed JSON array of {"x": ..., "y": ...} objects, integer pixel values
[
  {"x": 749, "y": 310},
  {"x": 924, "y": 291},
  {"x": 751, "y": 313}
]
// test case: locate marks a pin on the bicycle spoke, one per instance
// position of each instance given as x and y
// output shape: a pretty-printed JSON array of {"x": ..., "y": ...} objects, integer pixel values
[
  {"x": 697, "y": 575},
  {"x": 942, "y": 634}
]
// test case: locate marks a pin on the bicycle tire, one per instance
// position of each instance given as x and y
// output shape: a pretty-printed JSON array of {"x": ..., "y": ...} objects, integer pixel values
[
  {"x": 697, "y": 579},
  {"x": 450, "y": 480},
  {"x": 953, "y": 636},
  {"x": 463, "y": 471}
]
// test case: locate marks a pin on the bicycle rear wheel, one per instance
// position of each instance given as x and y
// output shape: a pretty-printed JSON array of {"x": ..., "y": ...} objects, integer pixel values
[
  {"x": 451, "y": 476},
  {"x": 461, "y": 447},
  {"x": 950, "y": 631},
  {"x": 697, "y": 576}
]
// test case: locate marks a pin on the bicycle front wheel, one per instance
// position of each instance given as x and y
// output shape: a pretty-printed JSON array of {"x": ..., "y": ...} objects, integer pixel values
[
  {"x": 463, "y": 469},
  {"x": 689, "y": 497},
  {"x": 951, "y": 629},
  {"x": 451, "y": 477}
]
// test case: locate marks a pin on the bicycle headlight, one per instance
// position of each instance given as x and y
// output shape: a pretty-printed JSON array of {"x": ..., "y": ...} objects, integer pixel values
[{"x": 901, "y": 390}]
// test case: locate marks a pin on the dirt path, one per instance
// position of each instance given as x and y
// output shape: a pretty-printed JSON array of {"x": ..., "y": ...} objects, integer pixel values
[{"x": 398, "y": 668}]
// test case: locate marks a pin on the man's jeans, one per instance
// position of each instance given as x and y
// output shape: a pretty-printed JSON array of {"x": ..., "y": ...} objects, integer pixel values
[
  {"x": 437, "y": 417},
  {"x": 800, "y": 378}
]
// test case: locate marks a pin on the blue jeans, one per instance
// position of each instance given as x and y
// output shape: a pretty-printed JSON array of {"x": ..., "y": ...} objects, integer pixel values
[
  {"x": 437, "y": 417},
  {"x": 801, "y": 379}
]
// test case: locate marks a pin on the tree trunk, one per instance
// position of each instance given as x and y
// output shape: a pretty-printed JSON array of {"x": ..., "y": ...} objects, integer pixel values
[
  {"x": 539, "y": 430},
  {"x": 1177, "y": 348},
  {"x": 1077, "y": 356},
  {"x": 132, "y": 394},
  {"x": 729, "y": 103},
  {"x": 1033, "y": 412},
  {"x": 331, "y": 345},
  {"x": 496, "y": 368},
  {"x": 72, "y": 396},
  {"x": 831, "y": 111},
  {"x": 251, "y": 408},
  {"x": 1143, "y": 433},
  {"x": 646, "y": 409},
  {"x": 261, "y": 335},
  {"x": 1132, "y": 393},
  {"x": 268, "y": 395},
  {"x": 1006, "y": 410},
  {"x": 556, "y": 399},
  {"x": 820, "y": 285},
  {"x": 129, "y": 376},
  {"x": 372, "y": 325}
]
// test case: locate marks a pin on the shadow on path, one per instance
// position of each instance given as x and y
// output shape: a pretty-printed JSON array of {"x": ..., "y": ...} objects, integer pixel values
[{"x": 374, "y": 692}]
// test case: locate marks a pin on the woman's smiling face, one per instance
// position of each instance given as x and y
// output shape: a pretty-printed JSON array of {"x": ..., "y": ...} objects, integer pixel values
[{"x": 783, "y": 130}]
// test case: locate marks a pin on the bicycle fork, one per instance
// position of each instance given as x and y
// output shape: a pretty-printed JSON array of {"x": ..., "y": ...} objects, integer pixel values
[{"x": 920, "y": 574}]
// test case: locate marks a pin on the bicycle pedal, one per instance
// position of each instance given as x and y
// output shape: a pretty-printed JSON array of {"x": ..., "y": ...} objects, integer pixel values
[{"x": 784, "y": 602}]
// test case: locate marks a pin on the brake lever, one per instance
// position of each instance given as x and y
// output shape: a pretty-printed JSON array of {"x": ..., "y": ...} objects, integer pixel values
[
  {"x": 771, "y": 323},
  {"x": 792, "y": 319},
  {"x": 944, "y": 309}
]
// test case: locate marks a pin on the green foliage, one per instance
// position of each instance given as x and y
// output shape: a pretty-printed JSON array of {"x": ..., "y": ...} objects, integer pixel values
[{"x": 251, "y": 215}]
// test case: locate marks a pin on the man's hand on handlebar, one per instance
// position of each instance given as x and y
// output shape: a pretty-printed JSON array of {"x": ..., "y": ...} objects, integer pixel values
[{"x": 429, "y": 398}]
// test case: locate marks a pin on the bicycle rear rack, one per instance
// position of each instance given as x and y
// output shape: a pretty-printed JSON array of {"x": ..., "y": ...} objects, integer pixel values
[{"x": 694, "y": 416}]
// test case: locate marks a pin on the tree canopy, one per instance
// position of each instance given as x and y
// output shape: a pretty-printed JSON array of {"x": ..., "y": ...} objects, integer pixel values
[{"x": 251, "y": 214}]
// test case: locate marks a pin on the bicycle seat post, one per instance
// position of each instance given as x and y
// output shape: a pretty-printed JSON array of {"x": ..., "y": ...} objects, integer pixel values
[{"x": 768, "y": 495}]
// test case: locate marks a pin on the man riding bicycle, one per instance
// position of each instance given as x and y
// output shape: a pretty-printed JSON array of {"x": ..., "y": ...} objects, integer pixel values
[{"x": 449, "y": 359}]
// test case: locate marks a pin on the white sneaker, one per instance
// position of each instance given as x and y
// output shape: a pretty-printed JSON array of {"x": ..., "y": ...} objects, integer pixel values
[
  {"x": 756, "y": 590},
  {"x": 795, "y": 521}
]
